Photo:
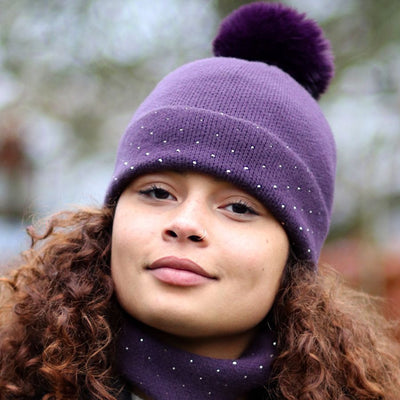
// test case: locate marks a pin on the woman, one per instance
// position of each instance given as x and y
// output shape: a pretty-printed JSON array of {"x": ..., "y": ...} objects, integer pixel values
[{"x": 198, "y": 278}]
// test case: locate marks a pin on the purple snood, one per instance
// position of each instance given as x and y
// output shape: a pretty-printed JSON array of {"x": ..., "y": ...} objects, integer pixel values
[
  {"x": 163, "y": 372},
  {"x": 248, "y": 123}
]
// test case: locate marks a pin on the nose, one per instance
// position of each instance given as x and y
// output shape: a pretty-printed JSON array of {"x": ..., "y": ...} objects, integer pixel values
[
  {"x": 186, "y": 223},
  {"x": 194, "y": 238}
]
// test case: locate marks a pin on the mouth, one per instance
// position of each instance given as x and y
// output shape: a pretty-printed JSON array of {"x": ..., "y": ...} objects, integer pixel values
[{"x": 179, "y": 272}]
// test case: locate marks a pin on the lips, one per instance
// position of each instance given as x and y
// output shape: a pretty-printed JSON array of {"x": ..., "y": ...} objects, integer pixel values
[{"x": 179, "y": 271}]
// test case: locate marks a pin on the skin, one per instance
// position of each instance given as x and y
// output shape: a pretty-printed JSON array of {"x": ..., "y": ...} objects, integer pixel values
[{"x": 243, "y": 253}]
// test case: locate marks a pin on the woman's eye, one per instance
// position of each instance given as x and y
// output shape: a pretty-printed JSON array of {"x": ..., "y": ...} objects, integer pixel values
[
  {"x": 241, "y": 208},
  {"x": 157, "y": 193}
]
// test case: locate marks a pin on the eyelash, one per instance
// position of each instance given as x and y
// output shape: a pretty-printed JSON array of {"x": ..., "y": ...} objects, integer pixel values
[
  {"x": 245, "y": 206},
  {"x": 152, "y": 192}
]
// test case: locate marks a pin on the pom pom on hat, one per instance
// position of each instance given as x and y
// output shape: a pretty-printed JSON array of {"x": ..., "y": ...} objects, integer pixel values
[{"x": 280, "y": 36}]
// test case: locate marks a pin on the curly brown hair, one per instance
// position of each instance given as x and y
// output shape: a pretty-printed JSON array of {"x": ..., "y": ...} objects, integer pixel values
[
  {"x": 59, "y": 319},
  {"x": 334, "y": 342},
  {"x": 57, "y": 310}
]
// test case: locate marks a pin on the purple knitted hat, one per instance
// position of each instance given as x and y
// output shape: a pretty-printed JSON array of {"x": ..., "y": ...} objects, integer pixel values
[{"x": 248, "y": 116}]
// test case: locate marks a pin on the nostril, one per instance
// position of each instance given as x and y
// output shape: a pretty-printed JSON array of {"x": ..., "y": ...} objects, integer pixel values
[{"x": 195, "y": 238}]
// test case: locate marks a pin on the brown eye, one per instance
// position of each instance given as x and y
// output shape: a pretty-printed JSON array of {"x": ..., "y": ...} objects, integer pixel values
[
  {"x": 241, "y": 208},
  {"x": 156, "y": 193}
]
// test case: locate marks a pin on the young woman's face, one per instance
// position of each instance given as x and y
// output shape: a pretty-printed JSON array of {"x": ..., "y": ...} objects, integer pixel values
[{"x": 196, "y": 257}]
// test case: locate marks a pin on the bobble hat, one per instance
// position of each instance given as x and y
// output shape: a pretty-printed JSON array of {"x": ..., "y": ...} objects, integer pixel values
[{"x": 249, "y": 116}]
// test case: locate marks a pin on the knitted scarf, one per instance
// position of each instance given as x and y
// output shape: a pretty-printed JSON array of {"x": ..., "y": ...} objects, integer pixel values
[{"x": 163, "y": 372}]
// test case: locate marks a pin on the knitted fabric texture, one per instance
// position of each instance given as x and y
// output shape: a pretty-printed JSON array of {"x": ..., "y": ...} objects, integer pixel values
[
  {"x": 163, "y": 372},
  {"x": 246, "y": 122}
]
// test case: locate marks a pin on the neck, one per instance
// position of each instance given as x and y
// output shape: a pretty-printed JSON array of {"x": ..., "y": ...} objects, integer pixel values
[{"x": 229, "y": 347}]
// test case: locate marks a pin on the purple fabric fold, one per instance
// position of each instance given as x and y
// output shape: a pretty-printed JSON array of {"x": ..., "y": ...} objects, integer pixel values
[{"x": 164, "y": 372}]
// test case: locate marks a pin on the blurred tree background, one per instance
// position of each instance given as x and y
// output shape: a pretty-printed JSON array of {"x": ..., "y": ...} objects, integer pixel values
[{"x": 73, "y": 72}]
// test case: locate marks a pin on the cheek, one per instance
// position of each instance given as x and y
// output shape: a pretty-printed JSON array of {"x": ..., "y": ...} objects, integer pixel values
[
  {"x": 265, "y": 253},
  {"x": 125, "y": 264},
  {"x": 263, "y": 282},
  {"x": 261, "y": 265},
  {"x": 263, "y": 278},
  {"x": 131, "y": 227},
  {"x": 124, "y": 245}
]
